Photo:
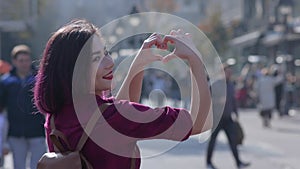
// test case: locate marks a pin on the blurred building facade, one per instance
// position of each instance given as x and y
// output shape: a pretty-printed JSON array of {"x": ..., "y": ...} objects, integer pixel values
[
  {"x": 31, "y": 20},
  {"x": 270, "y": 29},
  {"x": 260, "y": 27},
  {"x": 15, "y": 16}
]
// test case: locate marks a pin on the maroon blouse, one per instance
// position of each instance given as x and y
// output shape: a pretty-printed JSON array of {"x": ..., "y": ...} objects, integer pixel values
[{"x": 113, "y": 141}]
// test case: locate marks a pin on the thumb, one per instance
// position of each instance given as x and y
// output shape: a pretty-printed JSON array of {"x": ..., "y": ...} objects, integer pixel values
[
  {"x": 168, "y": 38},
  {"x": 169, "y": 57},
  {"x": 157, "y": 57}
]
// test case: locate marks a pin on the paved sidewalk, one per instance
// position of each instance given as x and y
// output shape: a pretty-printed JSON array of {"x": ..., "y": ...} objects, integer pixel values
[{"x": 266, "y": 148}]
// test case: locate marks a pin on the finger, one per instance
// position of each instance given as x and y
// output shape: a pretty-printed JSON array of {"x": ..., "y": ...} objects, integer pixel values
[
  {"x": 169, "y": 38},
  {"x": 153, "y": 35},
  {"x": 149, "y": 42},
  {"x": 159, "y": 41},
  {"x": 180, "y": 32},
  {"x": 158, "y": 36},
  {"x": 154, "y": 39},
  {"x": 150, "y": 39},
  {"x": 169, "y": 57},
  {"x": 173, "y": 32},
  {"x": 163, "y": 46},
  {"x": 158, "y": 57},
  {"x": 188, "y": 35}
]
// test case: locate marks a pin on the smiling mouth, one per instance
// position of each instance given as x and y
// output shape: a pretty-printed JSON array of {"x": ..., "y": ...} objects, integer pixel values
[{"x": 108, "y": 76}]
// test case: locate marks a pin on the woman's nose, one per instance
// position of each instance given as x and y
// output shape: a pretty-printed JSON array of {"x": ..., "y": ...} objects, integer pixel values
[{"x": 109, "y": 62}]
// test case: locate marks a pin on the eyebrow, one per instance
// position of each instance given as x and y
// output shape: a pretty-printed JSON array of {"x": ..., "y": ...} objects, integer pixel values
[
  {"x": 99, "y": 52},
  {"x": 95, "y": 53}
]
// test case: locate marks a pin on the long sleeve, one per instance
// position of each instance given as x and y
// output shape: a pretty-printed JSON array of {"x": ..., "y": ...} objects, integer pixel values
[
  {"x": 142, "y": 122},
  {"x": 235, "y": 110},
  {"x": 2, "y": 96}
]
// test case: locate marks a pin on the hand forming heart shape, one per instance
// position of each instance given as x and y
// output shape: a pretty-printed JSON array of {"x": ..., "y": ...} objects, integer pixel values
[{"x": 182, "y": 42}]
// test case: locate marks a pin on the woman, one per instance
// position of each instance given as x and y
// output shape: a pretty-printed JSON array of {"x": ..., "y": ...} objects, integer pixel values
[
  {"x": 61, "y": 83},
  {"x": 265, "y": 89}
]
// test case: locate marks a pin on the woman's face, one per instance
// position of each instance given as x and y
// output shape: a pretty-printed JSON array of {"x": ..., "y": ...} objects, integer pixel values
[{"x": 101, "y": 66}]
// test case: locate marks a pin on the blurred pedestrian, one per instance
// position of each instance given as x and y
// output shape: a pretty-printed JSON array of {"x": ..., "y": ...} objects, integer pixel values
[
  {"x": 289, "y": 94},
  {"x": 279, "y": 89},
  {"x": 4, "y": 147},
  {"x": 242, "y": 93},
  {"x": 26, "y": 132},
  {"x": 226, "y": 122},
  {"x": 265, "y": 90},
  {"x": 4, "y": 67}
]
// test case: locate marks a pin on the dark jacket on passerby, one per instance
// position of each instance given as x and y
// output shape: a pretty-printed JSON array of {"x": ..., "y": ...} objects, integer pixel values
[
  {"x": 223, "y": 99},
  {"x": 16, "y": 97},
  {"x": 230, "y": 104}
]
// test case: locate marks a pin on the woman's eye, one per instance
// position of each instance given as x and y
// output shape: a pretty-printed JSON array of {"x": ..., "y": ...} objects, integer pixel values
[{"x": 97, "y": 58}]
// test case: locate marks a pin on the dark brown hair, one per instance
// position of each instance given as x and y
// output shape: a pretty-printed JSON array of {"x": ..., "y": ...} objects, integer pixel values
[{"x": 53, "y": 87}]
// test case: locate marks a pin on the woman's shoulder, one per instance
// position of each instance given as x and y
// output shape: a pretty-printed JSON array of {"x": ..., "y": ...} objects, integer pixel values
[{"x": 66, "y": 114}]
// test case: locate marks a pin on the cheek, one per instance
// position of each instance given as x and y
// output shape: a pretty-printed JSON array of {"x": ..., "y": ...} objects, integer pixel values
[
  {"x": 29, "y": 63},
  {"x": 99, "y": 71},
  {"x": 93, "y": 71},
  {"x": 99, "y": 76},
  {"x": 91, "y": 76},
  {"x": 25, "y": 65}
]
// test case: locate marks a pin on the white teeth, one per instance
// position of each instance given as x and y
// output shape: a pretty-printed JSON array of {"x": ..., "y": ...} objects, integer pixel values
[{"x": 108, "y": 76}]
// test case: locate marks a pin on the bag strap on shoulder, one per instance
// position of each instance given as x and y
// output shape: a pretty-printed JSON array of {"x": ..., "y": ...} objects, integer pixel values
[
  {"x": 56, "y": 136},
  {"x": 90, "y": 125}
]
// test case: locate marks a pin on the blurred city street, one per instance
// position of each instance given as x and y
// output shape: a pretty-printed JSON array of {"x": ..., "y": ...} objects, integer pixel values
[
  {"x": 266, "y": 148},
  {"x": 258, "y": 40}
]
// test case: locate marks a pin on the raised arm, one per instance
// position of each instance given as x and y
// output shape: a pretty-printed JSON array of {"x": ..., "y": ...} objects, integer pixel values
[
  {"x": 201, "y": 99},
  {"x": 132, "y": 85}
]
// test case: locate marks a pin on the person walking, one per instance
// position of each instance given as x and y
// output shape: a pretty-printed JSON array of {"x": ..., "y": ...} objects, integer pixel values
[
  {"x": 77, "y": 70},
  {"x": 278, "y": 96},
  {"x": 26, "y": 134},
  {"x": 226, "y": 122},
  {"x": 265, "y": 91}
]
